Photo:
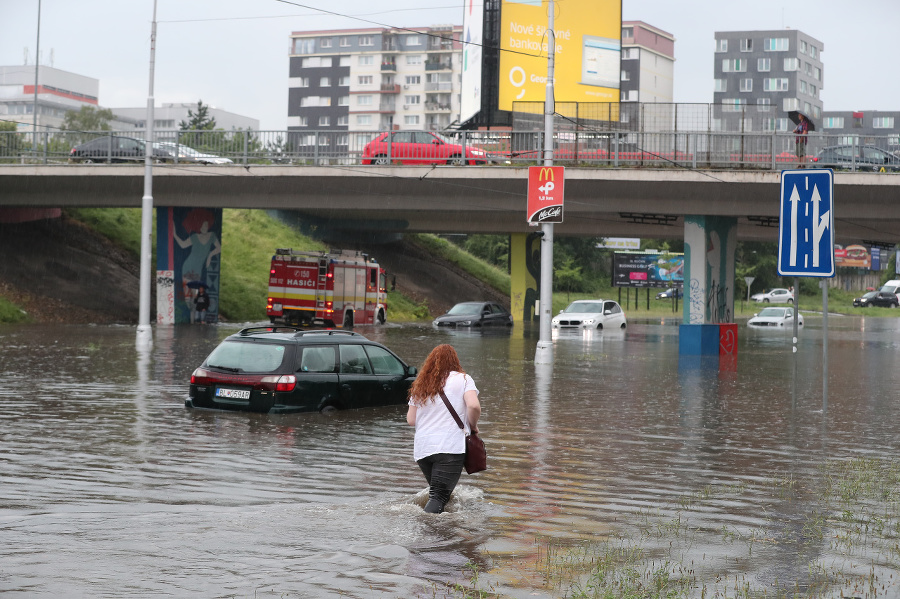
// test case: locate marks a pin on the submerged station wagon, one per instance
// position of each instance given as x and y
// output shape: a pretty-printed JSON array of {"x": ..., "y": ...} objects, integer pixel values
[{"x": 284, "y": 369}]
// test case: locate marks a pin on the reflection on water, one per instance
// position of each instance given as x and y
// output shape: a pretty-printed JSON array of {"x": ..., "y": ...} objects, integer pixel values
[{"x": 112, "y": 488}]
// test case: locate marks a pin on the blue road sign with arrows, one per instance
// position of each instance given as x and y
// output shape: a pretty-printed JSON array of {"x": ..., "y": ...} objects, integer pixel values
[{"x": 806, "y": 229}]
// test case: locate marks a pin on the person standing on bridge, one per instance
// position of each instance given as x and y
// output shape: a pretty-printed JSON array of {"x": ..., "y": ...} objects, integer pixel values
[
  {"x": 802, "y": 130},
  {"x": 440, "y": 445}
]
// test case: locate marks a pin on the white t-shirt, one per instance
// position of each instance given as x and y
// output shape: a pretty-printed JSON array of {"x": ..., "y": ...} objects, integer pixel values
[{"x": 436, "y": 429}]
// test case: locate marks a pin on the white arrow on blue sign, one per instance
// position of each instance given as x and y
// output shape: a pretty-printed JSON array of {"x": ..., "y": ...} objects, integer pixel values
[{"x": 806, "y": 229}]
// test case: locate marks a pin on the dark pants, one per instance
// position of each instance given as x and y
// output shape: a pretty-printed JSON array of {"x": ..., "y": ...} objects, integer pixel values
[{"x": 442, "y": 471}]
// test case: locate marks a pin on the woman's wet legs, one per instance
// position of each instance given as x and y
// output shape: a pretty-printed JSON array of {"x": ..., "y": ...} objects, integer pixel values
[{"x": 442, "y": 471}]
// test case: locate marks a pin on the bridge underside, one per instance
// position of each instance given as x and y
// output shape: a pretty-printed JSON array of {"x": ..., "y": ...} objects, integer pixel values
[{"x": 598, "y": 202}]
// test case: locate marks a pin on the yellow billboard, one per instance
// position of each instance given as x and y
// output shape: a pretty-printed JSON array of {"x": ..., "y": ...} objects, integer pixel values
[{"x": 588, "y": 49}]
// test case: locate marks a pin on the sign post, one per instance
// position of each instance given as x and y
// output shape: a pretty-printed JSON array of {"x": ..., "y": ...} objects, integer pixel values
[
  {"x": 749, "y": 281},
  {"x": 806, "y": 240}
]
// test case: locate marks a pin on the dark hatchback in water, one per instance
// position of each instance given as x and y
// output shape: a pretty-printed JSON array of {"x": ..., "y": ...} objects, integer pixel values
[{"x": 285, "y": 369}]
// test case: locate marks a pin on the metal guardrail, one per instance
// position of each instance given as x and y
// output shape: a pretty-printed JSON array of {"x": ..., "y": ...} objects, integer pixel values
[{"x": 658, "y": 149}]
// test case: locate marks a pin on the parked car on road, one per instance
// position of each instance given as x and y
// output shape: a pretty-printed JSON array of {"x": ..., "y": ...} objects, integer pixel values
[
  {"x": 419, "y": 147},
  {"x": 475, "y": 314},
  {"x": 285, "y": 369},
  {"x": 775, "y": 317},
  {"x": 775, "y": 296},
  {"x": 885, "y": 299},
  {"x": 670, "y": 293},
  {"x": 187, "y": 154},
  {"x": 113, "y": 148},
  {"x": 865, "y": 158},
  {"x": 590, "y": 314}
]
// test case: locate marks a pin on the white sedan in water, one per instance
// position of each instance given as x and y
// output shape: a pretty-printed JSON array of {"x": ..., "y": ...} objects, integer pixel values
[
  {"x": 590, "y": 314},
  {"x": 774, "y": 318}
]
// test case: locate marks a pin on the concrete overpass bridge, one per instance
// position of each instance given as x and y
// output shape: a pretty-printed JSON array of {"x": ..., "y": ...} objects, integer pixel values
[{"x": 628, "y": 202}]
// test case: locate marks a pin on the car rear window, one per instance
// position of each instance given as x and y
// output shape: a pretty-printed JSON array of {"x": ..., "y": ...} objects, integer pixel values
[{"x": 247, "y": 357}]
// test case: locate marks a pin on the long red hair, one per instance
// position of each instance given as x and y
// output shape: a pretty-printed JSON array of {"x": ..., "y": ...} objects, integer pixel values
[{"x": 431, "y": 378}]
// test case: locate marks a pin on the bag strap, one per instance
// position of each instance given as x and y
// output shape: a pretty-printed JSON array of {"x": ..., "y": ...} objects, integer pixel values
[{"x": 452, "y": 411}]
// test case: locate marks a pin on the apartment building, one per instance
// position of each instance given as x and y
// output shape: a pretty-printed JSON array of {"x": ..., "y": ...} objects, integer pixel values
[
  {"x": 374, "y": 79},
  {"x": 771, "y": 72},
  {"x": 648, "y": 63}
]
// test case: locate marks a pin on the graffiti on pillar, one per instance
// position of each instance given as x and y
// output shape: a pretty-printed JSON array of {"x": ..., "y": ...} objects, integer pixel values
[
  {"x": 717, "y": 304},
  {"x": 165, "y": 297},
  {"x": 696, "y": 300},
  {"x": 728, "y": 341}
]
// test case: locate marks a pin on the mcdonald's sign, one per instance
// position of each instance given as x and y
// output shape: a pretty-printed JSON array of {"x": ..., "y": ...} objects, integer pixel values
[{"x": 545, "y": 194}]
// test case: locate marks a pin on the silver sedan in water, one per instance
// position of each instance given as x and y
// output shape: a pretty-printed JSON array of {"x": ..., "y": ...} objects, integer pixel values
[{"x": 775, "y": 318}]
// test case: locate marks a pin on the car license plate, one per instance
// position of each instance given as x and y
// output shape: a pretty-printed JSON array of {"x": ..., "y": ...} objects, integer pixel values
[{"x": 233, "y": 393}]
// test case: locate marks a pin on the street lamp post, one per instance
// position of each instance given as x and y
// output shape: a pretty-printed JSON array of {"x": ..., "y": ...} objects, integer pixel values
[
  {"x": 544, "y": 351},
  {"x": 144, "y": 337}
]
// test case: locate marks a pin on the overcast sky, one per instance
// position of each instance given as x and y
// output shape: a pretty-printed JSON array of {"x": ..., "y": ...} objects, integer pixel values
[{"x": 233, "y": 54}]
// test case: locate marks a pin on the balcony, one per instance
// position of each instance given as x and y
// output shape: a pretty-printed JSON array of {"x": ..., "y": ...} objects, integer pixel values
[
  {"x": 389, "y": 67},
  {"x": 438, "y": 66},
  {"x": 437, "y": 107},
  {"x": 441, "y": 45},
  {"x": 390, "y": 88},
  {"x": 440, "y": 87}
]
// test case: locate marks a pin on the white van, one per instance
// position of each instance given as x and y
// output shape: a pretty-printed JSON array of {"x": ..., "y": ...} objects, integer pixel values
[{"x": 893, "y": 286}]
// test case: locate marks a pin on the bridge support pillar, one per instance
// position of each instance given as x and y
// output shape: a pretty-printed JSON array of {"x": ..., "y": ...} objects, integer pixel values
[
  {"x": 525, "y": 275},
  {"x": 188, "y": 253},
  {"x": 709, "y": 252}
]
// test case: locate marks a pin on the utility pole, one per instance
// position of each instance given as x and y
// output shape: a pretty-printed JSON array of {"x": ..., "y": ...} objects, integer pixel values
[
  {"x": 144, "y": 336},
  {"x": 544, "y": 352},
  {"x": 37, "y": 66}
]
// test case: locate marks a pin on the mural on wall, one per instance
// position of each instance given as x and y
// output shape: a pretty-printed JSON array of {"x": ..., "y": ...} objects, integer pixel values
[
  {"x": 188, "y": 260},
  {"x": 710, "y": 244},
  {"x": 525, "y": 274}
]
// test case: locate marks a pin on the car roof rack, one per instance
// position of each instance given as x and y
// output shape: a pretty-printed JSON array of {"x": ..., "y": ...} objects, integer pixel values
[
  {"x": 328, "y": 332},
  {"x": 268, "y": 329}
]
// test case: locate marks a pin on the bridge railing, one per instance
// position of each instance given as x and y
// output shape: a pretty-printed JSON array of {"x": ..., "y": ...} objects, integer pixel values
[{"x": 657, "y": 149}]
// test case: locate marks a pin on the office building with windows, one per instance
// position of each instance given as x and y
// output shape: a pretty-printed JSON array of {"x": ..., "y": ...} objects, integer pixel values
[
  {"x": 648, "y": 63},
  {"x": 760, "y": 76},
  {"x": 374, "y": 79},
  {"x": 58, "y": 92}
]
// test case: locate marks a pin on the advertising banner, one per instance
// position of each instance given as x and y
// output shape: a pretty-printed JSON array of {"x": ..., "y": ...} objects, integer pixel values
[
  {"x": 647, "y": 270},
  {"x": 854, "y": 256},
  {"x": 473, "y": 41},
  {"x": 587, "y": 52}
]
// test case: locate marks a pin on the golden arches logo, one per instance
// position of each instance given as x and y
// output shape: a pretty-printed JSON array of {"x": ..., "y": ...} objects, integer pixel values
[{"x": 546, "y": 174}]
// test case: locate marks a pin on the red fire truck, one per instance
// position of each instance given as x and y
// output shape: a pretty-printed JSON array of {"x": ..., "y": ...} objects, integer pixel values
[{"x": 338, "y": 287}]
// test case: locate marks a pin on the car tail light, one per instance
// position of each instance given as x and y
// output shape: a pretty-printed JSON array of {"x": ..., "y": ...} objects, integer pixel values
[
  {"x": 200, "y": 377},
  {"x": 286, "y": 382}
]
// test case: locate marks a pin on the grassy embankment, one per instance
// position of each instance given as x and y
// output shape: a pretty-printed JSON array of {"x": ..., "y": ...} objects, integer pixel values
[{"x": 249, "y": 237}]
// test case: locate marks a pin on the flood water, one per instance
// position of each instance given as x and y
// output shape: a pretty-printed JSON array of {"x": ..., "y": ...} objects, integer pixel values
[{"x": 109, "y": 487}]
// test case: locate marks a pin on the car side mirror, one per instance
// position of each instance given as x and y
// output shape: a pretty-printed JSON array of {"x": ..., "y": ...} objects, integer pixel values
[
  {"x": 607, "y": 312},
  {"x": 411, "y": 371},
  {"x": 436, "y": 142}
]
